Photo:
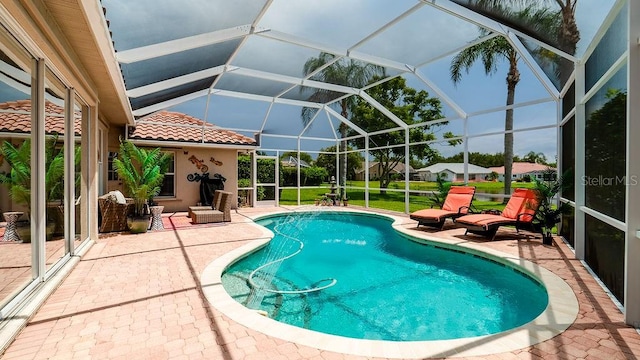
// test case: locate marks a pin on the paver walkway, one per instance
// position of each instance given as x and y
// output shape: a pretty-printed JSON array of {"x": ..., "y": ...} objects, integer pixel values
[{"x": 138, "y": 297}]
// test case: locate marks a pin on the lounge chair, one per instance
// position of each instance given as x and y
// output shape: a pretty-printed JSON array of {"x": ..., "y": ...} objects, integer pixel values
[
  {"x": 456, "y": 204},
  {"x": 519, "y": 212}
]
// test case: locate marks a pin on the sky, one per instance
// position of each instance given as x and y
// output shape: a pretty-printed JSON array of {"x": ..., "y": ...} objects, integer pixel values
[{"x": 412, "y": 41}]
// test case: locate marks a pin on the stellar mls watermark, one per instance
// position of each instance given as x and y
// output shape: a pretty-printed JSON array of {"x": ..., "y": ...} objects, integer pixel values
[{"x": 610, "y": 180}]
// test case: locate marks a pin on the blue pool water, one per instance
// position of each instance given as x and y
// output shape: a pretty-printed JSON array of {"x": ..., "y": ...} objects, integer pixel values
[{"x": 387, "y": 287}]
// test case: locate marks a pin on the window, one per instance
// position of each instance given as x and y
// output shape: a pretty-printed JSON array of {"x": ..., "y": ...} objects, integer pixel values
[
  {"x": 111, "y": 171},
  {"x": 168, "y": 187}
]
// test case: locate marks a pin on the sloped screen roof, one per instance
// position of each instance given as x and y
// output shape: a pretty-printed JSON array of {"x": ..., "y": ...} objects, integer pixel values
[{"x": 185, "y": 55}]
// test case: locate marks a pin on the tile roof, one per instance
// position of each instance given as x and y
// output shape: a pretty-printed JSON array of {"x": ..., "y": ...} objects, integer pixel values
[
  {"x": 15, "y": 117},
  {"x": 522, "y": 168},
  {"x": 457, "y": 168},
  {"x": 174, "y": 126}
]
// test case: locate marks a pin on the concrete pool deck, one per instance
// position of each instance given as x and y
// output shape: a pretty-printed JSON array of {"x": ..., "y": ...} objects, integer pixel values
[{"x": 139, "y": 296}]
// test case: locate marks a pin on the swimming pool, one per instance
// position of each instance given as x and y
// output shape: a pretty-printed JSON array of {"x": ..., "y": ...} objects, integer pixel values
[{"x": 377, "y": 284}]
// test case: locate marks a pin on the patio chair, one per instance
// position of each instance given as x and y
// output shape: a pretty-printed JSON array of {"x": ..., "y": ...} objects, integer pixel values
[
  {"x": 215, "y": 204},
  {"x": 456, "y": 204},
  {"x": 519, "y": 212},
  {"x": 222, "y": 214},
  {"x": 114, "y": 209}
]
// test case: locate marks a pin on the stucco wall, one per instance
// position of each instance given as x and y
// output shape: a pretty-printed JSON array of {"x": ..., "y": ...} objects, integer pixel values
[{"x": 188, "y": 193}]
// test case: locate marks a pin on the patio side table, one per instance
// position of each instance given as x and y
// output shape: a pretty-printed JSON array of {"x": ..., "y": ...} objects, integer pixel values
[
  {"x": 10, "y": 233},
  {"x": 156, "y": 217}
]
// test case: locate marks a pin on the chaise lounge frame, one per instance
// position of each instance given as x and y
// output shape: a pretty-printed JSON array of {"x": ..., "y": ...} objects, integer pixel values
[{"x": 519, "y": 212}]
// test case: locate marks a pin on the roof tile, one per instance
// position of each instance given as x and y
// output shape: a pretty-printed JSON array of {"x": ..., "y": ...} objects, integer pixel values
[
  {"x": 15, "y": 117},
  {"x": 522, "y": 168},
  {"x": 174, "y": 126}
]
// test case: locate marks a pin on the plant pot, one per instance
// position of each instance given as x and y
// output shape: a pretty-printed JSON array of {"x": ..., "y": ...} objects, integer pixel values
[
  {"x": 547, "y": 236},
  {"x": 345, "y": 202},
  {"x": 138, "y": 225}
]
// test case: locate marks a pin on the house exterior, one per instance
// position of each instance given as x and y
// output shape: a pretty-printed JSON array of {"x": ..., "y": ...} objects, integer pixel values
[
  {"x": 63, "y": 50},
  {"x": 522, "y": 169},
  {"x": 453, "y": 172},
  {"x": 178, "y": 133},
  {"x": 194, "y": 155},
  {"x": 15, "y": 127},
  {"x": 375, "y": 169}
]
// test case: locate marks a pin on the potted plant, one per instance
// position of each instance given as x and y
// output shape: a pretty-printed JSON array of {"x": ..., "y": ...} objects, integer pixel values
[
  {"x": 548, "y": 214},
  {"x": 141, "y": 171},
  {"x": 18, "y": 179}
]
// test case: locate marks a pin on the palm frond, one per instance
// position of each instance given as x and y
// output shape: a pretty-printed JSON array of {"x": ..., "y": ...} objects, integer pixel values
[{"x": 141, "y": 171}]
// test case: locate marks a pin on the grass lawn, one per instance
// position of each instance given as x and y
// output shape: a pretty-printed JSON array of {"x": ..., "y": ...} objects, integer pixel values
[{"x": 394, "y": 200}]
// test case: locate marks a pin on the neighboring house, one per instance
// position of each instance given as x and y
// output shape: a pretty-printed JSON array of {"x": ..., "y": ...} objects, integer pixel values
[
  {"x": 453, "y": 172},
  {"x": 375, "y": 169},
  {"x": 293, "y": 162},
  {"x": 521, "y": 169}
]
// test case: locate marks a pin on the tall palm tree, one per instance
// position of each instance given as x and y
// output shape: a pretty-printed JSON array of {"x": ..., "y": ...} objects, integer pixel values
[
  {"x": 565, "y": 35},
  {"x": 490, "y": 52},
  {"x": 341, "y": 71}
]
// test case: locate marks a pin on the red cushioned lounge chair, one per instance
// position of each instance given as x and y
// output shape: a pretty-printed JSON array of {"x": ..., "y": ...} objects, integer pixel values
[
  {"x": 457, "y": 203},
  {"x": 519, "y": 212}
]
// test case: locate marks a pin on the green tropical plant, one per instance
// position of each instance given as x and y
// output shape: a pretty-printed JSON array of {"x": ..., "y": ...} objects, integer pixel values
[
  {"x": 548, "y": 214},
  {"x": 18, "y": 179},
  {"x": 442, "y": 189},
  {"x": 490, "y": 52},
  {"x": 141, "y": 171}
]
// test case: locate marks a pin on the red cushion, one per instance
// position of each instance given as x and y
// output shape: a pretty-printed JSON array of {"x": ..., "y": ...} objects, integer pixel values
[
  {"x": 522, "y": 201},
  {"x": 431, "y": 215},
  {"x": 458, "y": 197}
]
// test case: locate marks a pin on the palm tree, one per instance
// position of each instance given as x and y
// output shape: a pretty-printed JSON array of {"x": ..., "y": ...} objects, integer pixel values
[
  {"x": 490, "y": 52},
  {"x": 142, "y": 172},
  {"x": 18, "y": 179},
  {"x": 565, "y": 35},
  {"x": 342, "y": 71},
  {"x": 535, "y": 157}
]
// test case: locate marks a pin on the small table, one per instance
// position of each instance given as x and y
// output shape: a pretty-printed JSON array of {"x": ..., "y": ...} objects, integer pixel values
[
  {"x": 10, "y": 233},
  {"x": 156, "y": 217}
]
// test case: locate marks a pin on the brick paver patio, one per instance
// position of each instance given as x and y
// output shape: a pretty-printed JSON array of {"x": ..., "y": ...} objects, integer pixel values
[{"x": 138, "y": 297}]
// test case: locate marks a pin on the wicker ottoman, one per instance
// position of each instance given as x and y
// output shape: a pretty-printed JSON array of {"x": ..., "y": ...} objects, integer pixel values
[
  {"x": 198, "y": 208},
  {"x": 207, "y": 216}
]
